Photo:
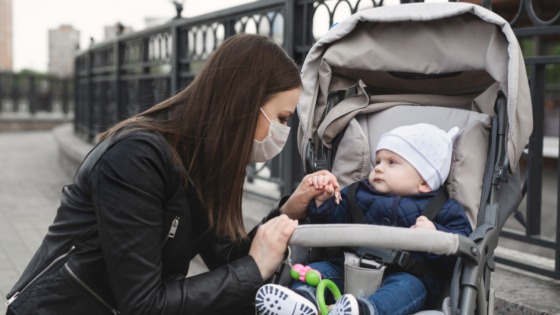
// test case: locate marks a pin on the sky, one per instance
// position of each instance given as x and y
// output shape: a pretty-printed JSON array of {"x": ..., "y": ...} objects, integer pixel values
[{"x": 32, "y": 20}]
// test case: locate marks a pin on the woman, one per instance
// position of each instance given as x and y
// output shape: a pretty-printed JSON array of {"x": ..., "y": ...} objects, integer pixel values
[{"x": 166, "y": 185}]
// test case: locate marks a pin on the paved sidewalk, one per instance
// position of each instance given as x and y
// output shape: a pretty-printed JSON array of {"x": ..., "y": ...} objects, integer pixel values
[{"x": 30, "y": 185}]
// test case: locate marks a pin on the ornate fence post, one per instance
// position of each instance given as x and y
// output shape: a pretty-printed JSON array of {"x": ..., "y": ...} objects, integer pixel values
[
  {"x": 88, "y": 119},
  {"x": 175, "y": 56},
  {"x": 291, "y": 163},
  {"x": 65, "y": 99},
  {"x": 32, "y": 92},
  {"x": 535, "y": 159},
  {"x": 117, "y": 55},
  {"x": 15, "y": 93},
  {"x": 3, "y": 87}
]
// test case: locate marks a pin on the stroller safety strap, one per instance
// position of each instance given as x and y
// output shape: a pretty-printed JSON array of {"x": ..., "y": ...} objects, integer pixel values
[
  {"x": 399, "y": 258},
  {"x": 364, "y": 235}
]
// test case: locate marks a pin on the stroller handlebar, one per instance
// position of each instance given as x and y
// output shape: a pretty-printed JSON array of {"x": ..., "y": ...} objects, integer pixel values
[{"x": 364, "y": 235}]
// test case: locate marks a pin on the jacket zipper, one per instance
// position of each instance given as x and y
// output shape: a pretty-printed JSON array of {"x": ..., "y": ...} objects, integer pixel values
[
  {"x": 172, "y": 230},
  {"x": 85, "y": 286},
  {"x": 171, "y": 234},
  {"x": 57, "y": 259}
]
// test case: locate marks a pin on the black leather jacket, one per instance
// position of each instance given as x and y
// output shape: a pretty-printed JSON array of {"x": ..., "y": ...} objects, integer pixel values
[{"x": 123, "y": 238}]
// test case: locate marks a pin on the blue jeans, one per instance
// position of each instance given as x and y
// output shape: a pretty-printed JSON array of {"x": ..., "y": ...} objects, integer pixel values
[{"x": 400, "y": 293}]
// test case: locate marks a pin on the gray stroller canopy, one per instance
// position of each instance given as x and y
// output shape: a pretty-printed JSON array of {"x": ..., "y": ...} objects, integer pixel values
[{"x": 469, "y": 47}]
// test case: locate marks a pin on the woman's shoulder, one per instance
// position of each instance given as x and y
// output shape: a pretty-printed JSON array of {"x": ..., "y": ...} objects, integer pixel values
[
  {"x": 138, "y": 141},
  {"x": 137, "y": 134},
  {"x": 134, "y": 150}
]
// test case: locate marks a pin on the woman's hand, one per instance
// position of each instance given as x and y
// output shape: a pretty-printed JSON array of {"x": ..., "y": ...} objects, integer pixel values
[
  {"x": 320, "y": 185},
  {"x": 270, "y": 243}
]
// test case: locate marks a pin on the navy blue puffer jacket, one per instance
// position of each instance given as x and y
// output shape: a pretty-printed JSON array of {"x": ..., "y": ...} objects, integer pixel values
[
  {"x": 402, "y": 211},
  {"x": 392, "y": 210}
]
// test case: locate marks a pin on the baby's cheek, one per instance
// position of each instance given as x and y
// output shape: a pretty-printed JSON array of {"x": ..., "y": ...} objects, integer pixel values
[{"x": 370, "y": 177}]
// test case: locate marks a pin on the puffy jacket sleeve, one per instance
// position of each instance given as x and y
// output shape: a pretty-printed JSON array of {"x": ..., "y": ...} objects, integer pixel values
[
  {"x": 217, "y": 251},
  {"x": 128, "y": 189},
  {"x": 329, "y": 211},
  {"x": 453, "y": 219}
]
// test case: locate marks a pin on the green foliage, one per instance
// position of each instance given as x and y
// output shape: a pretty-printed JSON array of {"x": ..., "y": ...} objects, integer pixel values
[
  {"x": 27, "y": 79},
  {"x": 34, "y": 73},
  {"x": 527, "y": 46},
  {"x": 529, "y": 49},
  {"x": 553, "y": 70}
]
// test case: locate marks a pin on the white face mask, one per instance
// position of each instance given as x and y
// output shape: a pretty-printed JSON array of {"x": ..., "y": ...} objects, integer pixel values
[{"x": 273, "y": 143}]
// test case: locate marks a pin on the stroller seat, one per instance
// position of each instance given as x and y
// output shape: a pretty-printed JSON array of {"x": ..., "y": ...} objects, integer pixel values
[
  {"x": 470, "y": 148},
  {"x": 354, "y": 160}
]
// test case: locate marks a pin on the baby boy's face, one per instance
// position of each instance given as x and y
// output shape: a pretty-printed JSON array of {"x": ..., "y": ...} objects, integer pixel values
[{"x": 394, "y": 175}]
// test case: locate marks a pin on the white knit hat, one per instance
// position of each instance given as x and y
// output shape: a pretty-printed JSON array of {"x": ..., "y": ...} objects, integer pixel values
[{"x": 424, "y": 146}]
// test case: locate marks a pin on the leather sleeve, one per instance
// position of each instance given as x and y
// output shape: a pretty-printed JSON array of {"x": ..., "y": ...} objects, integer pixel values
[
  {"x": 217, "y": 251},
  {"x": 128, "y": 191},
  {"x": 274, "y": 212}
]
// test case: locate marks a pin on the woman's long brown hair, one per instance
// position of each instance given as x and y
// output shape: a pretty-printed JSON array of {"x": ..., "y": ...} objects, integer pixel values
[{"x": 210, "y": 124}]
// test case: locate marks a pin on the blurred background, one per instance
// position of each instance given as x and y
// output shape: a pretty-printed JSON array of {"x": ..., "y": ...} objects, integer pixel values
[{"x": 42, "y": 32}]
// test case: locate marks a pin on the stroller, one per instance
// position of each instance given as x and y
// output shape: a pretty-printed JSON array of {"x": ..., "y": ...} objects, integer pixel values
[{"x": 447, "y": 64}]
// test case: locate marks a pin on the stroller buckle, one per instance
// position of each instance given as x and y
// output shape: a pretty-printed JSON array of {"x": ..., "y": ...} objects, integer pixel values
[
  {"x": 370, "y": 261},
  {"x": 403, "y": 259}
]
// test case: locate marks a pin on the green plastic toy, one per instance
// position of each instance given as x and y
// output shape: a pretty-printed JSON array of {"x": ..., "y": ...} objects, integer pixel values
[{"x": 313, "y": 277}]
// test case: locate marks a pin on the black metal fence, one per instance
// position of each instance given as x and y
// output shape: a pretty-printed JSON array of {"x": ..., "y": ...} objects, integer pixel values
[
  {"x": 117, "y": 78},
  {"x": 30, "y": 93}
]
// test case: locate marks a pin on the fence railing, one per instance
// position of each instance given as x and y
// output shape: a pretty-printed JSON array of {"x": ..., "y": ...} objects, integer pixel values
[
  {"x": 117, "y": 78},
  {"x": 28, "y": 94}
]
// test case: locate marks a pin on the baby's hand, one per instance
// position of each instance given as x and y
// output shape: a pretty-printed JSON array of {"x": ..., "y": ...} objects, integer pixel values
[
  {"x": 423, "y": 223},
  {"x": 328, "y": 184}
]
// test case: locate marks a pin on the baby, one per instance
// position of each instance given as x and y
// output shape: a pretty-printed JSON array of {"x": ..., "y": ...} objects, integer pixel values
[{"x": 412, "y": 163}]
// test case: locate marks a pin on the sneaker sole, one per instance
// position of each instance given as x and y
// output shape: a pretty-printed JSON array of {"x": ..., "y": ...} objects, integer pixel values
[
  {"x": 345, "y": 306},
  {"x": 273, "y": 299}
]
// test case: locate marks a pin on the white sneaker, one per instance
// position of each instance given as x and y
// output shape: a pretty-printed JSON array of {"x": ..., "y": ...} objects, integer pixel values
[
  {"x": 345, "y": 305},
  {"x": 273, "y": 299}
]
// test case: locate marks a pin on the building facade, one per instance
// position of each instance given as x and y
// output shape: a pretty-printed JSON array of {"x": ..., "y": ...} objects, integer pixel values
[
  {"x": 6, "y": 38},
  {"x": 63, "y": 43},
  {"x": 113, "y": 31}
]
